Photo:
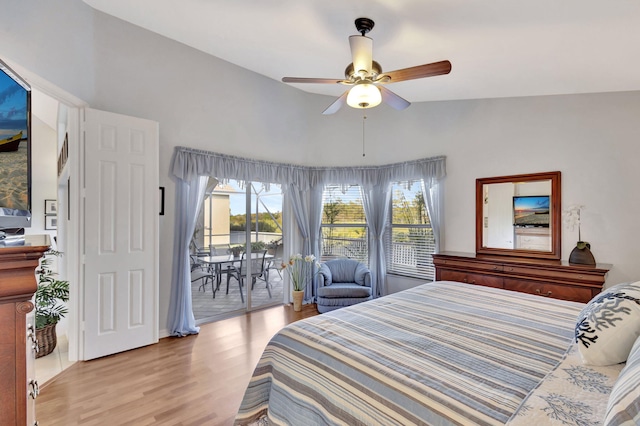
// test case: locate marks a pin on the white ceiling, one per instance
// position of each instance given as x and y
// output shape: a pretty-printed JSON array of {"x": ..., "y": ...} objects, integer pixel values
[{"x": 498, "y": 48}]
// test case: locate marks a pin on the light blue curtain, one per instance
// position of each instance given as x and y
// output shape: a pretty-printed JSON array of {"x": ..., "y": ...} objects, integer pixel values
[
  {"x": 299, "y": 204},
  {"x": 189, "y": 196},
  {"x": 376, "y": 200},
  {"x": 432, "y": 192},
  {"x": 315, "y": 220},
  {"x": 305, "y": 185},
  {"x": 189, "y": 163}
]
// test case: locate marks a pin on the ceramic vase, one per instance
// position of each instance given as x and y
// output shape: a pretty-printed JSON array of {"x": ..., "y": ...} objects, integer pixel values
[
  {"x": 298, "y": 295},
  {"x": 581, "y": 254}
]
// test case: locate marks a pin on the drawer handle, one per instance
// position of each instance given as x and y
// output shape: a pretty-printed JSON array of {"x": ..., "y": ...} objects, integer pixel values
[
  {"x": 540, "y": 293},
  {"x": 31, "y": 335},
  {"x": 495, "y": 267},
  {"x": 35, "y": 389},
  {"x": 473, "y": 281}
]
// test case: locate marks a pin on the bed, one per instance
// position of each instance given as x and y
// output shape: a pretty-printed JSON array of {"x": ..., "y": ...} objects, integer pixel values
[{"x": 443, "y": 353}]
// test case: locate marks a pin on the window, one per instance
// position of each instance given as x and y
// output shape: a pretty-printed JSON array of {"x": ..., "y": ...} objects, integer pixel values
[
  {"x": 223, "y": 219},
  {"x": 344, "y": 226},
  {"x": 409, "y": 238}
]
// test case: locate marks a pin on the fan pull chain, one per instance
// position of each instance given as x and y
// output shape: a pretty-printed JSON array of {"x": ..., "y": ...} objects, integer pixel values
[{"x": 364, "y": 117}]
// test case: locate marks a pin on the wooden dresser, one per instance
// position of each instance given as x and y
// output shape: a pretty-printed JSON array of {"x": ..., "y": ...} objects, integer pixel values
[
  {"x": 18, "y": 261},
  {"x": 550, "y": 278}
]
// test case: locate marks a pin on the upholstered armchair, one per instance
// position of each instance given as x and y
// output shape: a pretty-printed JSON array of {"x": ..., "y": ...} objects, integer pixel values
[{"x": 342, "y": 282}]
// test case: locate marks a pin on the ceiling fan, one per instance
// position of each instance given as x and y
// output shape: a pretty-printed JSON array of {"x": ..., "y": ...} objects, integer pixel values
[{"x": 367, "y": 78}]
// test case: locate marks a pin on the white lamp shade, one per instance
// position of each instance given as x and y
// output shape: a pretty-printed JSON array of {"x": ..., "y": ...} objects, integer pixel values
[
  {"x": 361, "y": 53},
  {"x": 364, "y": 95}
]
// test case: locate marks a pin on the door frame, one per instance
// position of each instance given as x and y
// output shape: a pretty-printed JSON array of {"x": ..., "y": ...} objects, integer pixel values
[{"x": 68, "y": 237}]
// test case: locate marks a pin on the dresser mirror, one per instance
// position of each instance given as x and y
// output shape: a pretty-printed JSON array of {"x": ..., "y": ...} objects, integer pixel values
[{"x": 519, "y": 215}]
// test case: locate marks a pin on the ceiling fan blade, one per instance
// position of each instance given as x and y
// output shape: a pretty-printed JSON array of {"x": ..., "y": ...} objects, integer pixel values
[
  {"x": 420, "y": 71},
  {"x": 311, "y": 80},
  {"x": 393, "y": 100},
  {"x": 335, "y": 106},
  {"x": 361, "y": 53}
]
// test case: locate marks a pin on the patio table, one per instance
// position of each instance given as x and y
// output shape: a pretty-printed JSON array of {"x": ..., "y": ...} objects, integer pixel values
[{"x": 218, "y": 261}]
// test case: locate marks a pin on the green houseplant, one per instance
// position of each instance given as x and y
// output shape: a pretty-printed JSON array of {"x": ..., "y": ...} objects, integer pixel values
[{"x": 50, "y": 309}]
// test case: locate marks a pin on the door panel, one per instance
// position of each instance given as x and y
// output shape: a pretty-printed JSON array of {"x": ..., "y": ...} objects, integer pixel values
[{"x": 120, "y": 233}]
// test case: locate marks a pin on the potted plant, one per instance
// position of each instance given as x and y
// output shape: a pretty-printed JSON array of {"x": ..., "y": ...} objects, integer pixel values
[
  {"x": 50, "y": 309},
  {"x": 300, "y": 268},
  {"x": 581, "y": 253},
  {"x": 236, "y": 250}
]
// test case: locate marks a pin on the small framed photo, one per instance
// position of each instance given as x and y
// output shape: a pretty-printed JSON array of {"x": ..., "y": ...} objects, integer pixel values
[
  {"x": 50, "y": 207},
  {"x": 50, "y": 223}
]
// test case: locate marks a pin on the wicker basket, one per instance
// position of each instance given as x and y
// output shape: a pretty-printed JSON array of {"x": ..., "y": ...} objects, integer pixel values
[{"x": 47, "y": 340}]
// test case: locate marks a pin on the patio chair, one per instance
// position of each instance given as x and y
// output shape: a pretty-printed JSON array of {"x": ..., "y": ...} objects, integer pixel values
[
  {"x": 204, "y": 276},
  {"x": 239, "y": 271},
  {"x": 197, "y": 250},
  {"x": 196, "y": 263},
  {"x": 275, "y": 262},
  {"x": 219, "y": 249}
]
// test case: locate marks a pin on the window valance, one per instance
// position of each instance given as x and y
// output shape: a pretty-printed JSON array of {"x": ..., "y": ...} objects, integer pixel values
[{"x": 190, "y": 163}]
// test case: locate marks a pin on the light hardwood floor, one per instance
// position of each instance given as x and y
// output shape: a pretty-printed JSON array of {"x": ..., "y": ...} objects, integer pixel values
[{"x": 193, "y": 380}]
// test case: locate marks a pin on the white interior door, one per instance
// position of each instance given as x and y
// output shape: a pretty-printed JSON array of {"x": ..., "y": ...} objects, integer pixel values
[
  {"x": 500, "y": 226},
  {"x": 120, "y": 211}
]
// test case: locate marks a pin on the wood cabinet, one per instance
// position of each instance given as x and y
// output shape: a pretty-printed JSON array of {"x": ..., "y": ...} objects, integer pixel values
[
  {"x": 18, "y": 261},
  {"x": 550, "y": 278}
]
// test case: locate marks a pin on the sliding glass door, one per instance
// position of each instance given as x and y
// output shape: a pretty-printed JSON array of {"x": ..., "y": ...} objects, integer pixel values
[{"x": 232, "y": 214}]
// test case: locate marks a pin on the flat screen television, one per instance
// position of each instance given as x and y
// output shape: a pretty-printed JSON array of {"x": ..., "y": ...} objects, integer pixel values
[
  {"x": 15, "y": 151},
  {"x": 531, "y": 211}
]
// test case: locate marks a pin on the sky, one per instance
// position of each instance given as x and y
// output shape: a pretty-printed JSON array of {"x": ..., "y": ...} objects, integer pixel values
[
  {"x": 273, "y": 202},
  {"x": 531, "y": 203}
]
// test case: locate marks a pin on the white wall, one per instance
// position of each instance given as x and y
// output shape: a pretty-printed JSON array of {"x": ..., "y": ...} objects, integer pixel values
[
  {"x": 44, "y": 184},
  {"x": 53, "y": 39},
  {"x": 207, "y": 103}
]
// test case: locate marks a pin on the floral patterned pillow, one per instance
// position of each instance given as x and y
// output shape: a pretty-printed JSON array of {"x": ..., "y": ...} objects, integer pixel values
[
  {"x": 609, "y": 325},
  {"x": 624, "y": 402}
]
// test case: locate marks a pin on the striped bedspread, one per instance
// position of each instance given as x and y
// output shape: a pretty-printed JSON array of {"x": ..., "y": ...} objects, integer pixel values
[{"x": 443, "y": 353}]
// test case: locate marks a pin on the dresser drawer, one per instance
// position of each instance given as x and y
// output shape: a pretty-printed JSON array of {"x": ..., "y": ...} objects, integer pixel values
[
  {"x": 568, "y": 276},
  {"x": 551, "y": 278},
  {"x": 465, "y": 264},
  {"x": 470, "y": 278},
  {"x": 557, "y": 291}
]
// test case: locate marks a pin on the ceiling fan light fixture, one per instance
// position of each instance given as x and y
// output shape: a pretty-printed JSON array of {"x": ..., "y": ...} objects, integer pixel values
[{"x": 364, "y": 95}]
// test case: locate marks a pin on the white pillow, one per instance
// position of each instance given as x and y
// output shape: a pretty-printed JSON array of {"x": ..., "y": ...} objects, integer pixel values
[
  {"x": 609, "y": 325},
  {"x": 623, "y": 407}
]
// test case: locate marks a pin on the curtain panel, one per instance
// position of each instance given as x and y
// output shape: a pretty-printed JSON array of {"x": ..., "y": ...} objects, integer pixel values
[
  {"x": 189, "y": 163},
  {"x": 189, "y": 196},
  {"x": 304, "y": 185}
]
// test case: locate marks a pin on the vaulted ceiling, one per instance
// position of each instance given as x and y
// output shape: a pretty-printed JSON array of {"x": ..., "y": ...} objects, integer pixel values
[{"x": 498, "y": 48}]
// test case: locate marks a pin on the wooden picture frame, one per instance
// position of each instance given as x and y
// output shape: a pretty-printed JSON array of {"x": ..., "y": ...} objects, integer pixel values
[{"x": 50, "y": 207}]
